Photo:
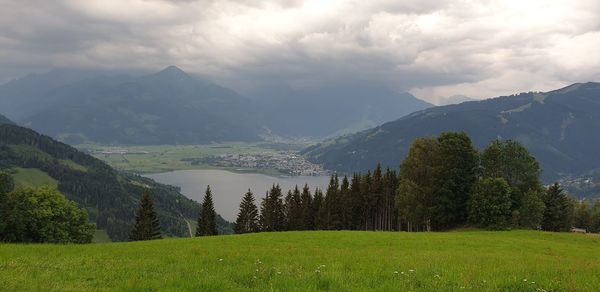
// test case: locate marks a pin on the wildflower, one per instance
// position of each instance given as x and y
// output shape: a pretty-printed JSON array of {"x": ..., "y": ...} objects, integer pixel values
[
  {"x": 411, "y": 271},
  {"x": 437, "y": 276},
  {"x": 317, "y": 271},
  {"x": 396, "y": 272},
  {"x": 220, "y": 260}
]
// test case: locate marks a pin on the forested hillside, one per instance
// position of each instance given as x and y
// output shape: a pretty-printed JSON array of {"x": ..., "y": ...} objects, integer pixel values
[
  {"x": 110, "y": 197},
  {"x": 560, "y": 128}
]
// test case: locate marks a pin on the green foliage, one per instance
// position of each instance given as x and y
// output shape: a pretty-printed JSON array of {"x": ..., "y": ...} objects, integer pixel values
[
  {"x": 294, "y": 210},
  {"x": 7, "y": 185},
  {"x": 558, "y": 214},
  {"x": 207, "y": 224},
  {"x": 147, "y": 226},
  {"x": 595, "y": 217},
  {"x": 489, "y": 205},
  {"x": 310, "y": 261},
  {"x": 272, "y": 213},
  {"x": 44, "y": 215},
  {"x": 531, "y": 212},
  {"x": 582, "y": 215},
  {"x": 247, "y": 219},
  {"x": 511, "y": 161}
]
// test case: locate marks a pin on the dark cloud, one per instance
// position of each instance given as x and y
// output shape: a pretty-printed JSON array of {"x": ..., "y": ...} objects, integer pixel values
[{"x": 432, "y": 48}]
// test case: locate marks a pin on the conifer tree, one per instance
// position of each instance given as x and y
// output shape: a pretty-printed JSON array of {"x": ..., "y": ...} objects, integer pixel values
[
  {"x": 207, "y": 221},
  {"x": 272, "y": 213},
  {"x": 319, "y": 212},
  {"x": 147, "y": 226},
  {"x": 558, "y": 213},
  {"x": 294, "y": 210},
  {"x": 306, "y": 209},
  {"x": 247, "y": 219}
]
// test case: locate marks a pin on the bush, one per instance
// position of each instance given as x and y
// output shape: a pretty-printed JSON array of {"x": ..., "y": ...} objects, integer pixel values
[{"x": 45, "y": 215}]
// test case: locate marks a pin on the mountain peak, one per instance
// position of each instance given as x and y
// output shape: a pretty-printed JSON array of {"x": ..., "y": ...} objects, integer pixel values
[{"x": 173, "y": 72}]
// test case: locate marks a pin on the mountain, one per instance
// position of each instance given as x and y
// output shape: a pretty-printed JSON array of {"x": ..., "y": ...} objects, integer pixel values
[
  {"x": 110, "y": 197},
  {"x": 169, "y": 107},
  {"x": 25, "y": 96},
  {"x": 333, "y": 109},
  {"x": 559, "y": 127},
  {"x": 5, "y": 120},
  {"x": 454, "y": 99}
]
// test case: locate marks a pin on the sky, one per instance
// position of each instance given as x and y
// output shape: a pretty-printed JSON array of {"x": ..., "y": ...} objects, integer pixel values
[{"x": 431, "y": 48}]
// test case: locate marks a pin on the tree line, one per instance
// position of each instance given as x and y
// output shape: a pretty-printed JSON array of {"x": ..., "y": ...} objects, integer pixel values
[{"x": 443, "y": 183}]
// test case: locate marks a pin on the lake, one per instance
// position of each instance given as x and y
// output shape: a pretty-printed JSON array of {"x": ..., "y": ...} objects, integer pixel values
[{"x": 229, "y": 187}]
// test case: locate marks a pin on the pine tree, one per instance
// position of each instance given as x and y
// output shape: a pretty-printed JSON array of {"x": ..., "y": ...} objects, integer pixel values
[
  {"x": 294, "y": 210},
  {"x": 147, "y": 226},
  {"x": 247, "y": 219},
  {"x": 306, "y": 208},
  {"x": 318, "y": 210},
  {"x": 207, "y": 224},
  {"x": 558, "y": 213},
  {"x": 272, "y": 213}
]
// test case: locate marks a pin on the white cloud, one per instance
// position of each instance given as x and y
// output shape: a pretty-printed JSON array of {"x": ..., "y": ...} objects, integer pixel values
[{"x": 432, "y": 48}]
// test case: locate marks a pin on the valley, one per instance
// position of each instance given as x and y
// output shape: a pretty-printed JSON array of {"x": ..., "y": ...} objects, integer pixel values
[{"x": 263, "y": 157}]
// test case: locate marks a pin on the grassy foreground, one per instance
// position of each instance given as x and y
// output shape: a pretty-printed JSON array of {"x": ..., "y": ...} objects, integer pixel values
[{"x": 301, "y": 261}]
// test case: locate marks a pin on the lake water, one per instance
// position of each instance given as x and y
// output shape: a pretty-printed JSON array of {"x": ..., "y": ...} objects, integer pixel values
[{"x": 229, "y": 187}]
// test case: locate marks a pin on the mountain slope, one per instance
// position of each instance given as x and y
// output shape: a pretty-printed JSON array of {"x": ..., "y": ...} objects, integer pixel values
[
  {"x": 169, "y": 107},
  {"x": 5, "y": 120},
  {"x": 110, "y": 197},
  {"x": 559, "y": 127},
  {"x": 334, "y": 109}
]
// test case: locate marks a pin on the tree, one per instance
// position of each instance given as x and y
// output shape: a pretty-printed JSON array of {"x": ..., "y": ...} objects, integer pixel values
[
  {"x": 7, "y": 185},
  {"x": 489, "y": 205},
  {"x": 415, "y": 199},
  {"x": 582, "y": 215},
  {"x": 510, "y": 160},
  {"x": 559, "y": 210},
  {"x": 595, "y": 217},
  {"x": 247, "y": 219},
  {"x": 147, "y": 226},
  {"x": 306, "y": 208},
  {"x": 532, "y": 208},
  {"x": 44, "y": 215},
  {"x": 318, "y": 210},
  {"x": 272, "y": 214},
  {"x": 454, "y": 177},
  {"x": 207, "y": 224},
  {"x": 294, "y": 211}
]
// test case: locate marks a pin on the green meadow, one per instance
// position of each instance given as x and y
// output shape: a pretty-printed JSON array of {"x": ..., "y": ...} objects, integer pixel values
[
  {"x": 163, "y": 158},
  {"x": 309, "y": 261}
]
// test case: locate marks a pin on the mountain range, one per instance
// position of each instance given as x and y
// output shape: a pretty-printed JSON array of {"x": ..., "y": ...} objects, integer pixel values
[
  {"x": 560, "y": 128},
  {"x": 173, "y": 107}
]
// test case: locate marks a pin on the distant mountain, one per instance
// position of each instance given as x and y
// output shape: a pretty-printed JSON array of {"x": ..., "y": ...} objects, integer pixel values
[
  {"x": 333, "y": 109},
  {"x": 169, "y": 107},
  {"x": 110, "y": 197},
  {"x": 454, "y": 99},
  {"x": 561, "y": 128},
  {"x": 4, "y": 120},
  {"x": 25, "y": 96}
]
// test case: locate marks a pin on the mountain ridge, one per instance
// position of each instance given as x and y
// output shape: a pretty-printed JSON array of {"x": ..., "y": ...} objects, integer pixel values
[{"x": 552, "y": 125}]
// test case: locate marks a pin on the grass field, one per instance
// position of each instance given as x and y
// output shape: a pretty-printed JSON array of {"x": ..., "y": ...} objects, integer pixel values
[
  {"x": 306, "y": 261},
  {"x": 32, "y": 177},
  {"x": 163, "y": 158}
]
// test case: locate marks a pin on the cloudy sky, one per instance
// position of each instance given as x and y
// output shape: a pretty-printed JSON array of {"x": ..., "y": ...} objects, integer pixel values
[{"x": 430, "y": 48}]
